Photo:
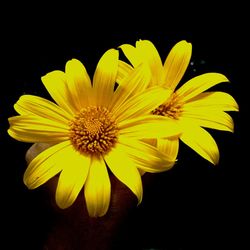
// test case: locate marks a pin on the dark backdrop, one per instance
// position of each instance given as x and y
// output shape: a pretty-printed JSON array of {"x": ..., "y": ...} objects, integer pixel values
[{"x": 193, "y": 206}]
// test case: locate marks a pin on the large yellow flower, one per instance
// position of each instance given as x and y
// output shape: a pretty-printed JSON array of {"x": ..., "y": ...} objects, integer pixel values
[
  {"x": 189, "y": 106},
  {"x": 92, "y": 127}
]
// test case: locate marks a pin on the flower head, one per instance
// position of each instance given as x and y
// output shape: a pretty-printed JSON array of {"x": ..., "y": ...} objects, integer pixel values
[
  {"x": 91, "y": 127},
  {"x": 189, "y": 106}
]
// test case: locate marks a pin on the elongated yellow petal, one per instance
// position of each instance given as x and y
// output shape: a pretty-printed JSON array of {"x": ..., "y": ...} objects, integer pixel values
[
  {"x": 145, "y": 156},
  {"x": 34, "y": 105},
  {"x": 30, "y": 128},
  {"x": 206, "y": 117},
  {"x": 136, "y": 82},
  {"x": 132, "y": 54},
  {"x": 125, "y": 171},
  {"x": 46, "y": 165},
  {"x": 148, "y": 127},
  {"x": 142, "y": 103},
  {"x": 31, "y": 137},
  {"x": 72, "y": 178},
  {"x": 124, "y": 70},
  {"x": 105, "y": 77},
  {"x": 214, "y": 100},
  {"x": 169, "y": 147},
  {"x": 150, "y": 56},
  {"x": 199, "y": 84},
  {"x": 97, "y": 188},
  {"x": 200, "y": 141},
  {"x": 57, "y": 86},
  {"x": 176, "y": 64},
  {"x": 79, "y": 83}
]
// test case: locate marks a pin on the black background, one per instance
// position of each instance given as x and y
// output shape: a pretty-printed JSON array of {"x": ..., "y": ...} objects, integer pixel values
[{"x": 193, "y": 206}]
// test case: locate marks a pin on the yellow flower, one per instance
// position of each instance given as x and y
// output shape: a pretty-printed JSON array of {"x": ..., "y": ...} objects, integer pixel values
[
  {"x": 189, "y": 106},
  {"x": 92, "y": 127}
]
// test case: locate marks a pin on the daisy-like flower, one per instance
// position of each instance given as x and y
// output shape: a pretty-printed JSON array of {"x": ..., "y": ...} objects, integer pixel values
[
  {"x": 92, "y": 126},
  {"x": 189, "y": 106}
]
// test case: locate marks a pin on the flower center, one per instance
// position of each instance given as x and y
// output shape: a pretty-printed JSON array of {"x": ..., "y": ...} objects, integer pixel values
[
  {"x": 172, "y": 108},
  {"x": 93, "y": 131}
]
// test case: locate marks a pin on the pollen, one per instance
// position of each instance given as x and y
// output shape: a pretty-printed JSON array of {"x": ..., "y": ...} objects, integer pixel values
[
  {"x": 171, "y": 108},
  {"x": 93, "y": 131}
]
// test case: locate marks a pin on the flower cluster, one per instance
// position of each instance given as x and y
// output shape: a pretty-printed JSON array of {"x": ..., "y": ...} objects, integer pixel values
[{"x": 125, "y": 121}]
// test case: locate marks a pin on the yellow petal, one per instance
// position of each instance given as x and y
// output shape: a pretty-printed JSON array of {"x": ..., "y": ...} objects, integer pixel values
[
  {"x": 124, "y": 70},
  {"x": 149, "y": 127},
  {"x": 57, "y": 86},
  {"x": 199, "y": 84},
  {"x": 72, "y": 178},
  {"x": 97, "y": 188},
  {"x": 169, "y": 147},
  {"x": 46, "y": 165},
  {"x": 34, "y": 105},
  {"x": 132, "y": 54},
  {"x": 214, "y": 100},
  {"x": 142, "y": 103},
  {"x": 150, "y": 56},
  {"x": 206, "y": 117},
  {"x": 146, "y": 157},
  {"x": 79, "y": 83},
  {"x": 176, "y": 64},
  {"x": 29, "y": 128},
  {"x": 105, "y": 77},
  {"x": 125, "y": 170},
  {"x": 200, "y": 141},
  {"x": 136, "y": 82}
]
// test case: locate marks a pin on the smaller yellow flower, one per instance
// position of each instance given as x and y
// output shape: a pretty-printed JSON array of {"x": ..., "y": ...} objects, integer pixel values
[
  {"x": 92, "y": 127},
  {"x": 189, "y": 106}
]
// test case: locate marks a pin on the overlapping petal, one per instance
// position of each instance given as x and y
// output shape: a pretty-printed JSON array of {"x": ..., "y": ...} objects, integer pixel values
[
  {"x": 78, "y": 83},
  {"x": 200, "y": 141},
  {"x": 142, "y": 103},
  {"x": 176, "y": 64},
  {"x": 216, "y": 100},
  {"x": 34, "y": 105},
  {"x": 46, "y": 165},
  {"x": 136, "y": 82},
  {"x": 198, "y": 84},
  {"x": 105, "y": 77},
  {"x": 56, "y": 84},
  {"x": 124, "y": 69},
  {"x": 151, "y": 57},
  {"x": 72, "y": 178},
  {"x": 206, "y": 117},
  {"x": 132, "y": 54},
  {"x": 149, "y": 127},
  {"x": 97, "y": 189},
  {"x": 169, "y": 146},
  {"x": 125, "y": 171},
  {"x": 146, "y": 157},
  {"x": 30, "y": 128}
]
